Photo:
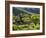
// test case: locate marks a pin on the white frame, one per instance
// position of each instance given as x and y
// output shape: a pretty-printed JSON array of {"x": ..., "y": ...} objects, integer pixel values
[{"x": 25, "y": 31}]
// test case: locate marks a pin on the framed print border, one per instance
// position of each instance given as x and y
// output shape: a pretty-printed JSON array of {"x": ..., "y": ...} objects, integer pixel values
[{"x": 7, "y": 18}]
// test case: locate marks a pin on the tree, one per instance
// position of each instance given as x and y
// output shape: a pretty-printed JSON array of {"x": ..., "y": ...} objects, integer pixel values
[{"x": 36, "y": 19}]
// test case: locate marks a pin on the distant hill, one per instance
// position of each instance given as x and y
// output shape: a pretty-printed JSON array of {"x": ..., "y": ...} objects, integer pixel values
[{"x": 18, "y": 10}]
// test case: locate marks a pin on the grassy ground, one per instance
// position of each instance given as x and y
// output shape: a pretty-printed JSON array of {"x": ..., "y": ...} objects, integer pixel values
[{"x": 26, "y": 27}]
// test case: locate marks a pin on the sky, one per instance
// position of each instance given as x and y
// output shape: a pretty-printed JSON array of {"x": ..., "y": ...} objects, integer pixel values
[{"x": 33, "y": 10}]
